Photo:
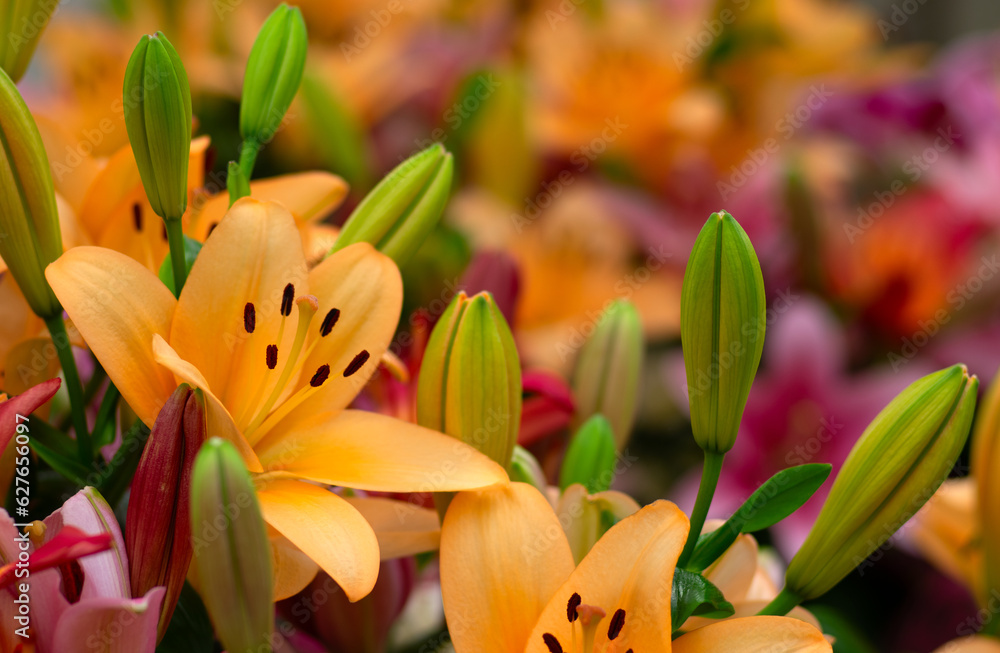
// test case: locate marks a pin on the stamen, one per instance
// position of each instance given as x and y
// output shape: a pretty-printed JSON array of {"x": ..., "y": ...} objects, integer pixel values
[
  {"x": 617, "y": 623},
  {"x": 321, "y": 375},
  {"x": 329, "y": 321},
  {"x": 287, "y": 297},
  {"x": 137, "y": 216},
  {"x": 357, "y": 363},
  {"x": 571, "y": 606},
  {"x": 308, "y": 305},
  {"x": 552, "y": 643},
  {"x": 249, "y": 317},
  {"x": 272, "y": 356}
]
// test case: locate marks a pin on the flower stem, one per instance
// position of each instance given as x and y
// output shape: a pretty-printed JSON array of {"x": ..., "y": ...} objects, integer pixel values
[
  {"x": 178, "y": 260},
  {"x": 782, "y": 603},
  {"x": 78, "y": 408},
  {"x": 709, "y": 480},
  {"x": 248, "y": 157}
]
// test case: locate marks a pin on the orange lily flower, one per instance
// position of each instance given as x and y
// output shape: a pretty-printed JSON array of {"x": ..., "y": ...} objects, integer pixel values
[
  {"x": 975, "y": 644},
  {"x": 276, "y": 389},
  {"x": 509, "y": 584}
]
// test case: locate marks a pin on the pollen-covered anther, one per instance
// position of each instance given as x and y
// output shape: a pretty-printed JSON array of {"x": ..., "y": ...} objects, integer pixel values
[
  {"x": 617, "y": 623},
  {"x": 287, "y": 298},
  {"x": 552, "y": 643},
  {"x": 357, "y": 363},
  {"x": 137, "y": 216},
  {"x": 271, "y": 357},
  {"x": 249, "y": 317},
  {"x": 571, "y": 606},
  {"x": 329, "y": 322},
  {"x": 321, "y": 375}
]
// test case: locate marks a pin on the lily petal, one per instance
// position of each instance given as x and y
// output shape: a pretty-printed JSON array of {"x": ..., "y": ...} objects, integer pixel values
[
  {"x": 365, "y": 287},
  {"x": 255, "y": 251},
  {"x": 403, "y": 529},
  {"x": 219, "y": 422},
  {"x": 327, "y": 529},
  {"x": 308, "y": 196},
  {"x": 118, "y": 305},
  {"x": 114, "y": 625},
  {"x": 754, "y": 635},
  {"x": 630, "y": 569},
  {"x": 293, "y": 569},
  {"x": 975, "y": 644},
  {"x": 503, "y": 555},
  {"x": 23, "y": 404},
  {"x": 369, "y": 451}
]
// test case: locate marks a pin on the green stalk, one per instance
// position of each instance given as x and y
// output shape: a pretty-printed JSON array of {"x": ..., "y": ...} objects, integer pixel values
[
  {"x": 77, "y": 405},
  {"x": 782, "y": 603},
  {"x": 178, "y": 261},
  {"x": 709, "y": 480},
  {"x": 248, "y": 157}
]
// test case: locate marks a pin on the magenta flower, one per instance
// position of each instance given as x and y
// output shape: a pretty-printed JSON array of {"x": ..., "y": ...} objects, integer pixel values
[{"x": 77, "y": 585}]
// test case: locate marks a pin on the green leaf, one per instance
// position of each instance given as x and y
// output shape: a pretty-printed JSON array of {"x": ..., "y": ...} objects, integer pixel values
[
  {"x": 694, "y": 596},
  {"x": 591, "y": 457},
  {"x": 67, "y": 466},
  {"x": 190, "y": 629},
  {"x": 776, "y": 499},
  {"x": 191, "y": 249}
]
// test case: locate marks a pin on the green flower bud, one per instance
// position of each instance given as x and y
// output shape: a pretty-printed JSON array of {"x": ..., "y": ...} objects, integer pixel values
[
  {"x": 21, "y": 25},
  {"x": 29, "y": 221},
  {"x": 232, "y": 554},
  {"x": 985, "y": 459},
  {"x": 722, "y": 329},
  {"x": 591, "y": 456},
  {"x": 274, "y": 71},
  {"x": 470, "y": 378},
  {"x": 895, "y": 467},
  {"x": 525, "y": 468},
  {"x": 399, "y": 213},
  {"x": 157, "y": 103},
  {"x": 606, "y": 376}
]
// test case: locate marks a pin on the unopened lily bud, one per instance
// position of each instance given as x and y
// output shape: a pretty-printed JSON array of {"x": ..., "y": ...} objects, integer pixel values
[
  {"x": 985, "y": 458},
  {"x": 29, "y": 221},
  {"x": 232, "y": 555},
  {"x": 157, "y": 103},
  {"x": 895, "y": 467},
  {"x": 606, "y": 376},
  {"x": 21, "y": 25},
  {"x": 590, "y": 458},
  {"x": 722, "y": 329},
  {"x": 274, "y": 71},
  {"x": 470, "y": 378},
  {"x": 400, "y": 212},
  {"x": 525, "y": 468},
  {"x": 158, "y": 523}
]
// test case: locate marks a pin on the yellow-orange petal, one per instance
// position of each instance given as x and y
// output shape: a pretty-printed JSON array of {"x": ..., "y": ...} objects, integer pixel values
[
  {"x": 365, "y": 287},
  {"x": 219, "y": 423},
  {"x": 369, "y": 451},
  {"x": 327, "y": 529},
  {"x": 503, "y": 555},
  {"x": 118, "y": 305},
  {"x": 28, "y": 363},
  {"x": 293, "y": 569},
  {"x": 402, "y": 528},
  {"x": 754, "y": 635},
  {"x": 250, "y": 258},
  {"x": 309, "y": 196},
  {"x": 974, "y": 644},
  {"x": 946, "y": 531},
  {"x": 630, "y": 569}
]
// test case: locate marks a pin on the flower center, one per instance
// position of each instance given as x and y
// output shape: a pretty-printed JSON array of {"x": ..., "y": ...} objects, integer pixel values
[
  {"x": 584, "y": 620},
  {"x": 264, "y": 414}
]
